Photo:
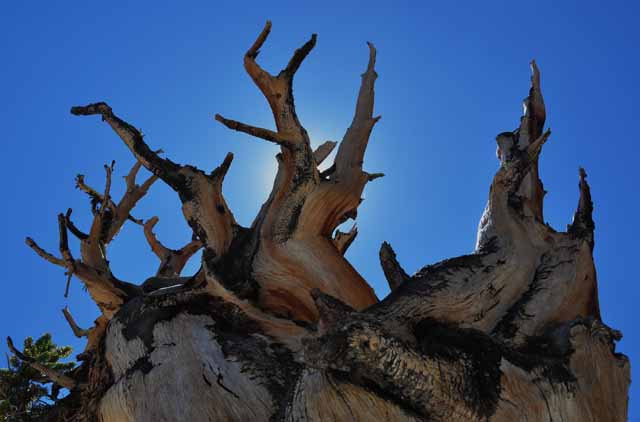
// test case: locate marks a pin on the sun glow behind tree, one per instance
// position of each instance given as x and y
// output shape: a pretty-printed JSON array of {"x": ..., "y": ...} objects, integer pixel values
[{"x": 443, "y": 91}]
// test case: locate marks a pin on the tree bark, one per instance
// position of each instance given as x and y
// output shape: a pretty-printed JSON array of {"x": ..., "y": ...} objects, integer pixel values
[{"x": 278, "y": 326}]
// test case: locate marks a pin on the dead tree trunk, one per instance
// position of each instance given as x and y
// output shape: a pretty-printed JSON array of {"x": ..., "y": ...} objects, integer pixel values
[{"x": 278, "y": 326}]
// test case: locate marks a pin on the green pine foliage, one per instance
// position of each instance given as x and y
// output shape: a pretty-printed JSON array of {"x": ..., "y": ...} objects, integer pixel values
[{"x": 25, "y": 394}]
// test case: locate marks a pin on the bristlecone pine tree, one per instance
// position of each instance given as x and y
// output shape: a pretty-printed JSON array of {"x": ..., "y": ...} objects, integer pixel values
[
  {"x": 26, "y": 389},
  {"x": 276, "y": 325}
]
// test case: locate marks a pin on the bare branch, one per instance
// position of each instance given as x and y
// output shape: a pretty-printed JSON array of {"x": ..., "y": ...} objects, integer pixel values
[
  {"x": 322, "y": 152},
  {"x": 254, "y": 50},
  {"x": 108, "y": 291},
  {"x": 147, "y": 183},
  {"x": 278, "y": 90},
  {"x": 219, "y": 173},
  {"x": 204, "y": 207},
  {"x": 93, "y": 194},
  {"x": 158, "y": 248},
  {"x": 108, "y": 217},
  {"x": 298, "y": 57},
  {"x": 527, "y": 134},
  {"x": 373, "y": 176},
  {"x": 536, "y": 146},
  {"x": 64, "y": 243},
  {"x": 72, "y": 227},
  {"x": 53, "y": 375},
  {"x": 297, "y": 158},
  {"x": 350, "y": 155},
  {"x": 77, "y": 331},
  {"x": 129, "y": 200},
  {"x": 260, "y": 77},
  {"x": 518, "y": 166},
  {"x": 44, "y": 254},
  {"x": 164, "y": 168},
  {"x": 106, "y": 196},
  {"x": 364, "y": 106},
  {"x": 517, "y": 182},
  {"x": 65, "y": 252},
  {"x": 68, "y": 284},
  {"x": 96, "y": 197},
  {"x": 172, "y": 261},
  {"x": 582, "y": 225},
  {"x": 347, "y": 177},
  {"x": 344, "y": 240},
  {"x": 258, "y": 132},
  {"x": 392, "y": 269},
  {"x": 534, "y": 110},
  {"x": 130, "y": 178}
]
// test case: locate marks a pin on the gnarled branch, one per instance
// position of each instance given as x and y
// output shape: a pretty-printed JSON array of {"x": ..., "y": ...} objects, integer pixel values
[
  {"x": 258, "y": 132},
  {"x": 305, "y": 208},
  {"x": 132, "y": 137},
  {"x": 517, "y": 183},
  {"x": 278, "y": 89},
  {"x": 582, "y": 225},
  {"x": 392, "y": 269},
  {"x": 77, "y": 331},
  {"x": 73, "y": 228},
  {"x": 107, "y": 291},
  {"x": 343, "y": 240},
  {"x": 322, "y": 152},
  {"x": 172, "y": 261},
  {"x": 350, "y": 155},
  {"x": 204, "y": 207}
]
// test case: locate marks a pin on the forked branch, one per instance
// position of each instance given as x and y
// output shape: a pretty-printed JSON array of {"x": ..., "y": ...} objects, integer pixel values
[
  {"x": 298, "y": 173},
  {"x": 130, "y": 199},
  {"x": 171, "y": 261},
  {"x": 204, "y": 207},
  {"x": 302, "y": 206},
  {"x": 278, "y": 89},
  {"x": 107, "y": 291}
]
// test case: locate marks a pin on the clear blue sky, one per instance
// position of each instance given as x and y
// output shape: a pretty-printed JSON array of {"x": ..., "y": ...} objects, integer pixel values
[{"x": 452, "y": 76}]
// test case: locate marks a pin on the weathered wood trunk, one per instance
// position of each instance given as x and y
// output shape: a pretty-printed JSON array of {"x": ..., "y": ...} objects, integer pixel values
[{"x": 278, "y": 326}]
